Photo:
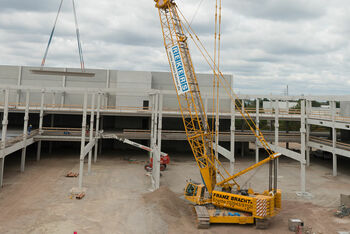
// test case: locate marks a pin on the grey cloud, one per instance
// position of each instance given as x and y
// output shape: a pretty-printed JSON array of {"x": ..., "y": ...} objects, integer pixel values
[
  {"x": 32, "y": 5},
  {"x": 266, "y": 44},
  {"x": 286, "y": 10}
]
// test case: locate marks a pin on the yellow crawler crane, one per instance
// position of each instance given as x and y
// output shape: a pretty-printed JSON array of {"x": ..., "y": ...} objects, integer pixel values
[{"x": 223, "y": 201}]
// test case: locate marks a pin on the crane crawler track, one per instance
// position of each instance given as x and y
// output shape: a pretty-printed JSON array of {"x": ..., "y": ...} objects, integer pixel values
[{"x": 203, "y": 220}]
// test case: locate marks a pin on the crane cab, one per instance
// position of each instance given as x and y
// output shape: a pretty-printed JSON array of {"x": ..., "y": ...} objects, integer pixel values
[{"x": 194, "y": 192}]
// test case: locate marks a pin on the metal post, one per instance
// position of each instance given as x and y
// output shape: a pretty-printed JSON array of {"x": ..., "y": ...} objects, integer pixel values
[
  {"x": 334, "y": 138},
  {"x": 92, "y": 117},
  {"x": 257, "y": 131},
  {"x": 25, "y": 132},
  {"x": 82, "y": 145},
  {"x": 302, "y": 149},
  {"x": 19, "y": 81},
  {"x": 41, "y": 118},
  {"x": 97, "y": 134},
  {"x": 233, "y": 129}
]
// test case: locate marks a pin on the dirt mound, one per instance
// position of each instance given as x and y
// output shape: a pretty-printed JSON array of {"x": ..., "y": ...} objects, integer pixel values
[{"x": 176, "y": 212}]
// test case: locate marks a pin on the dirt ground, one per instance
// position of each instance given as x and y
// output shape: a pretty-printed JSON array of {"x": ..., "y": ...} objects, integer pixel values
[{"x": 119, "y": 199}]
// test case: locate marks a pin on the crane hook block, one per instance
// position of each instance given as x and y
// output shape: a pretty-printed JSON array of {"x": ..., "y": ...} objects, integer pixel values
[{"x": 162, "y": 3}]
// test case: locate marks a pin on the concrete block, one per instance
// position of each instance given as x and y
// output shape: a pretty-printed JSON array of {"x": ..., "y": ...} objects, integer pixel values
[
  {"x": 294, "y": 223},
  {"x": 77, "y": 190},
  {"x": 345, "y": 200}
]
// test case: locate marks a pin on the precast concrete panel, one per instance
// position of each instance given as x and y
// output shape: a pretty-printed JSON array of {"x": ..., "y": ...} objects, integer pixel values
[
  {"x": 9, "y": 74},
  {"x": 345, "y": 109},
  {"x": 134, "y": 82},
  {"x": 30, "y": 79}
]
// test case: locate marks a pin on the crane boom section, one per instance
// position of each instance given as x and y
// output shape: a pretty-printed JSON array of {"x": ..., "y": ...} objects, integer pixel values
[
  {"x": 262, "y": 162},
  {"x": 189, "y": 98}
]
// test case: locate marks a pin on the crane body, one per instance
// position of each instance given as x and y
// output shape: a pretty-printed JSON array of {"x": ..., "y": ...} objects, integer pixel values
[{"x": 215, "y": 201}]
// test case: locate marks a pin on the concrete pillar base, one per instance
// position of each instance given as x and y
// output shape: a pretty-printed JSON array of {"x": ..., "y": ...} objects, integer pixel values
[
  {"x": 77, "y": 190},
  {"x": 304, "y": 194}
]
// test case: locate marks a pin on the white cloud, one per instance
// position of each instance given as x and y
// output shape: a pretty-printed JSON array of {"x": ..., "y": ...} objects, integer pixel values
[{"x": 266, "y": 44}]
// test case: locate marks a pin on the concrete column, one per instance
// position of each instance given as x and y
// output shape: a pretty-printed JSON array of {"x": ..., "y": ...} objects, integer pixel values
[
  {"x": 277, "y": 125},
  {"x": 206, "y": 105},
  {"x": 97, "y": 126},
  {"x": 19, "y": 82},
  {"x": 25, "y": 133},
  {"x": 233, "y": 130},
  {"x": 154, "y": 146},
  {"x": 82, "y": 145},
  {"x": 51, "y": 125},
  {"x": 5, "y": 119},
  {"x": 91, "y": 133},
  {"x": 54, "y": 99},
  {"x": 307, "y": 143},
  {"x": 334, "y": 138},
  {"x": 108, "y": 81},
  {"x": 3, "y": 135},
  {"x": 302, "y": 149},
  {"x": 153, "y": 123},
  {"x": 242, "y": 106},
  {"x": 258, "y": 130},
  {"x": 2, "y": 167},
  {"x": 217, "y": 132},
  {"x": 156, "y": 156},
  {"x": 41, "y": 118},
  {"x": 303, "y": 178},
  {"x": 101, "y": 141},
  {"x": 64, "y": 82}
]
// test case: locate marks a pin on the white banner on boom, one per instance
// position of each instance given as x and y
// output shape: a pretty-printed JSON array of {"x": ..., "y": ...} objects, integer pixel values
[{"x": 178, "y": 71}]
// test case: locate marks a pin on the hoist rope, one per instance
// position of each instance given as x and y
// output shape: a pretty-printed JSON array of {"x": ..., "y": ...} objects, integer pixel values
[
  {"x": 51, "y": 36},
  {"x": 80, "y": 50},
  {"x": 78, "y": 39}
]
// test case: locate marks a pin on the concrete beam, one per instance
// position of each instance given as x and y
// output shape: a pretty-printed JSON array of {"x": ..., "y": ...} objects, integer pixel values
[{"x": 329, "y": 149}]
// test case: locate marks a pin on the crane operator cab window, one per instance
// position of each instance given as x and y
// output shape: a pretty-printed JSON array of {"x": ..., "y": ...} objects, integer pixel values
[{"x": 191, "y": 190}]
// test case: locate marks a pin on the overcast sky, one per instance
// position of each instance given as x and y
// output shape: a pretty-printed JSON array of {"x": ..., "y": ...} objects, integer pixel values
[{"x": 266, "y": 44}]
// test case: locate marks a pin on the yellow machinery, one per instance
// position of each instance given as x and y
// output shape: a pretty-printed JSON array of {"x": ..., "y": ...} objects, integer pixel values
[{"x": 215, "y": 201}]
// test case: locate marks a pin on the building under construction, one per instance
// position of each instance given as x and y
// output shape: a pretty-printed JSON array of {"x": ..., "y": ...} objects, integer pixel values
[
  {"x": 75, "y": 143},
  {"x": 49, "y": 113}
]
